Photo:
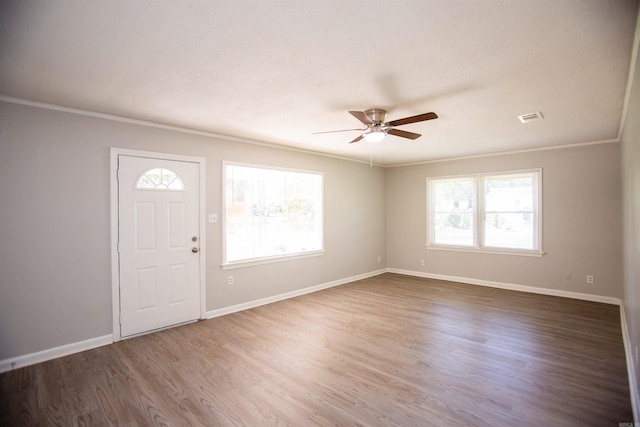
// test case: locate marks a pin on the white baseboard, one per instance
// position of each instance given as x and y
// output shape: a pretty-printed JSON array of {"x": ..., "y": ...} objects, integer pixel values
[
  {"x": 54, "y": 353},
  {"x": 65, "y": 350},
  {"x": 257, "y": 303},
  {"x": 510, "y": 286},
  {"x": 631, "y": 366}
]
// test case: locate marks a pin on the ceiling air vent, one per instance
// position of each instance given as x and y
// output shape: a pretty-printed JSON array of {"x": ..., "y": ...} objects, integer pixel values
[{"x": 529, "y": 117}]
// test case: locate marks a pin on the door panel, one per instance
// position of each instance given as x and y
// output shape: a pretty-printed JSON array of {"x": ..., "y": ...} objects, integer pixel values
[
  {"x": 178, "y": 276},
  {"x": 177, "y": 220},
  {"x": 159, "y": 272},
  {"x": 145, "y": 226},
  {"x": 147, "y": 287}
]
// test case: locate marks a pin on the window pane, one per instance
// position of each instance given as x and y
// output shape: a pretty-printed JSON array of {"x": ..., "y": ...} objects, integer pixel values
[
  {"x": 271, "y": 212},
  {"x": 454, "y": 195},
  {"x": 509, "y": 213},
  {"x": 509, "y": 230},
  {"x": 453, "y": 215},
  {"x": 509, "y": 194},
  {"x": 160, "y": 179},
  {"x": 453, "y": 229}
]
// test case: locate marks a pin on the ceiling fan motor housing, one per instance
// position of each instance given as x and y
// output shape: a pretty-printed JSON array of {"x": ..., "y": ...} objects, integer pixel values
[{"x": 377, "y": 115}]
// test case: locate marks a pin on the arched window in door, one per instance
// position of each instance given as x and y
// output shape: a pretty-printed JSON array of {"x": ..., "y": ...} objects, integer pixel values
[{"x": 160, "y": 179}]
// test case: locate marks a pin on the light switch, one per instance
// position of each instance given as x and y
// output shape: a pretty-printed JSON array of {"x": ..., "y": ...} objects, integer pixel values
[{"x": 213, "y": 217}]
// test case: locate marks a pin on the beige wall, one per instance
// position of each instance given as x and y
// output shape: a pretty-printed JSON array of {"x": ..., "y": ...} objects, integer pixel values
[
  {"x": 582, "y": 230},
  {"x": 631, "y": 195},
  {"x": 55, "y": 284}
]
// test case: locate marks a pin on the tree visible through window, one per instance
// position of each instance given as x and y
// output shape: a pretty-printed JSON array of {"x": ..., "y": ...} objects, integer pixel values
[
  {"x": 454, "y": 211},
  {"x": 488, "y": 211},
  {"x": 271, "y": 212}
]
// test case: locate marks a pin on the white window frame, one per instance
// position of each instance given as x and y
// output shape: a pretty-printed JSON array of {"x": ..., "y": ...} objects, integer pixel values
[
  {"x": 226, "y": 265},
  {"x": 478, "y": 230}
]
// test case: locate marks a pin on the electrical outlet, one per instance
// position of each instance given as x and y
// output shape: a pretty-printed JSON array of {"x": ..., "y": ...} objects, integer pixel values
[
  {"x": 379, "y": 258},
  {"x": 230, "y": 280},
  {"x": 421, "y": 262},
  {"x": 590, "y": 279}
]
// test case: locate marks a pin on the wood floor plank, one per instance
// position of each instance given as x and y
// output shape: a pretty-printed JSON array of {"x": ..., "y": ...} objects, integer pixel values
[{"x": 391, "y": 350}]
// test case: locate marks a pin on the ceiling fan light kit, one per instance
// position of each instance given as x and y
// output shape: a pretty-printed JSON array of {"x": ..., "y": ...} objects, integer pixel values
[
  {"x": 375, "y": 136},
  {"x": 377, "y": 128}
]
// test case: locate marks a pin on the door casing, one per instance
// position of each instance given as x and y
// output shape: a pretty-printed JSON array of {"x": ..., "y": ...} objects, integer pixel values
[{"x": 115, "y": 269}]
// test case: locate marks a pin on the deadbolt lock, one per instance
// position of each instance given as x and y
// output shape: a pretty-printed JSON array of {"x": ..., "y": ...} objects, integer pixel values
[{"x": 194, "y": 239}]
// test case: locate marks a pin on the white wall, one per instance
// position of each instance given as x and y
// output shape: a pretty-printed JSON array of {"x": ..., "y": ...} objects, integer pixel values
[
  {"x": 55, "y": 284},
  {"x": 582, "y": 221}
]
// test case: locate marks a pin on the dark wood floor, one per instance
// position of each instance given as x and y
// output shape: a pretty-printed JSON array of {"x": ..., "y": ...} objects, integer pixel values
[{"x": 389, "y": 350}]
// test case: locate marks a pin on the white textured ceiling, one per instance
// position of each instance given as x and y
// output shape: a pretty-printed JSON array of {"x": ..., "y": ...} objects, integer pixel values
[{"x": 276, "y": 71}]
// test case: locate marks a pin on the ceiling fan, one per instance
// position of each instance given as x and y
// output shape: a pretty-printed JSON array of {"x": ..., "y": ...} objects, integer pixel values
[{"x": 377, "y": 128}]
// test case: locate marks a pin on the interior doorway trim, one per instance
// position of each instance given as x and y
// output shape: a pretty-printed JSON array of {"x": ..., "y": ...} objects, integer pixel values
[{"x": 115, "y": 268}]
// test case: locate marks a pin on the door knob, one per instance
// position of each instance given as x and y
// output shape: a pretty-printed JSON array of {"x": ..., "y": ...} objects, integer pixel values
[{"x": 194, "y": 250}]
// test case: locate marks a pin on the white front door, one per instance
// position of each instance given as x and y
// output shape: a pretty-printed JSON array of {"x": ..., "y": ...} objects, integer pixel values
[{"x": 159, "y": 242}]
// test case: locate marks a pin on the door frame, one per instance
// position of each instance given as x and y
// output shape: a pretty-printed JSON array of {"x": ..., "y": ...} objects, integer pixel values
[{"x": 115, "y": 265}]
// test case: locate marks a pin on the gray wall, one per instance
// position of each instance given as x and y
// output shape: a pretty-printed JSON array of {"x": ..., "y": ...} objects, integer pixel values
[
  {"x": 631, "y": 190},
  {"x": 55, "y": 284},
  {"x": 582, "y": 221}
]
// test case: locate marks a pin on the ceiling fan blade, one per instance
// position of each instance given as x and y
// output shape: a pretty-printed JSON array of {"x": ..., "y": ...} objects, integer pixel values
[
  {"x": 360, "y": 115},
  {"x": 357, "y": 139},
  {"x": 413, "y": 119},
  {"x": 333, "y": 131},
  {"x": 403, "y": 134}
]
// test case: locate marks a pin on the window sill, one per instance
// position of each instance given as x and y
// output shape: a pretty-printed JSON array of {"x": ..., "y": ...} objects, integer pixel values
[
  {"x": 492, "y": 251},
  {"x": 270, "y": 260}
]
